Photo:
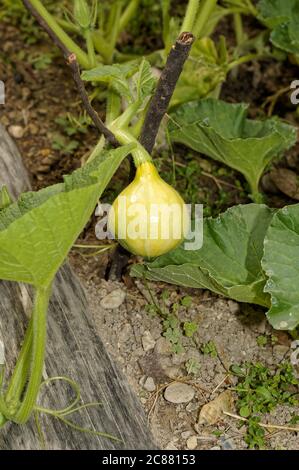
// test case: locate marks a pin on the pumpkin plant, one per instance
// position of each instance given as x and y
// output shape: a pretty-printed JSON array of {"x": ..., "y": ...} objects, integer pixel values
[
  {"x": 38, "y": 231},
  {"x": 92, "y": 31},
  {"x": 36, "y": 234}
]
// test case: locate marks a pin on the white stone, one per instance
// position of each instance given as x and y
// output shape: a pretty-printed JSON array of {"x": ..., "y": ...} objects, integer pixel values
[
  {"x": 179, "y": 393},
  {"x": 114, "y": 299},
  {"x": 186, "y": 434},
  {"x": 16, "y": 132},
  {"x": 192, "y": 442},
  {"x": 148, "y": 341},
  {"x": 149, "y": 385}
]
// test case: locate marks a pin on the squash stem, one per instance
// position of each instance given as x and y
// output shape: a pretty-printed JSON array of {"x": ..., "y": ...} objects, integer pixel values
[
  {"x": 39, "y": 328},
  {"x": 139, "y": 154},
  {"x": 61, "y": 34},
  {"x": 206, "y": 9},
  {"x": 190, "y": 16},
  {"x": 20, "y": 373}
]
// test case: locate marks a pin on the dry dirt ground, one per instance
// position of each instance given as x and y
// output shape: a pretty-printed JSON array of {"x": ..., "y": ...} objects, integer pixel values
[
  {"x": 130, "y": 329},
  {"x": 134, "y": 337}
]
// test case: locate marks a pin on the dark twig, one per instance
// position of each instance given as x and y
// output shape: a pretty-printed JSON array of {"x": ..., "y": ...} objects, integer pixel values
[
  {"x": 165, "y": 88},
  {"x": 74, "y": 66},
  {"x": 72, "y": 62},
  {"x": 47, "y": 28}
]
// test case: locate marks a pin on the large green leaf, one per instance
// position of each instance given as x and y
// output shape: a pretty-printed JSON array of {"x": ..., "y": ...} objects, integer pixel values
[
  {"x": 223, "y": 132},
  {"x": 114, "y": 76},
  {"x": 229, "y": 262},
  {"x": 283, "y": 18},
  {"x": 37, "y": 232},
  {"x": 281, "y": 264}
]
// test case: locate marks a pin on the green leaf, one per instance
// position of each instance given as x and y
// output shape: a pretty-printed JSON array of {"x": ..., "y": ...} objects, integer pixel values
[
  {"x": 229, "y": 262},
  {"x": 37, "y": 232},
  {"x": 275, "y": 12},
  {"x": 190, "y": 328},
  {"x": 283, "y": 18},
  {"x": 245, "y": 411},
  {"x": 281, "y": 264},
  {"x": 145, "y": 82},
  {"x": 223, "y": 132},
  {"x": 114, "y": 76},
  {"x": 5, "y": 198}
]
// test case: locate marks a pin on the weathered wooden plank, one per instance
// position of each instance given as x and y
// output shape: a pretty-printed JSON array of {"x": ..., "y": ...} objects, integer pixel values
[
  {"x": 73, "y": 350},
  {"x": 12, "y": 170}
]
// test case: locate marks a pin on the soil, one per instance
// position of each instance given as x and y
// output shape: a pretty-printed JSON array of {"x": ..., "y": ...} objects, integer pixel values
[{"x": 34, "y": 99}]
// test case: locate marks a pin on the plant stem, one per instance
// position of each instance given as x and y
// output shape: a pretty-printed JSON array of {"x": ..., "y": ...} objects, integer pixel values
[
  {"x": 37, "y": 9},
  {"x": 113, "y": 107},
  {"x": 113, "y": 32},
  {"x": 127, "y": 15},
  {"x": 252, "y": 8},
  {"x": 238, "y": 26},
  {"x": 67, "y": 26},
  {"x": 256, "y": 195},
  {"x": 20, "y": 373},
  {"x": 205, "y": 10},
  {"x": 101, "y": 45},
  {"x": 90, "y": 49},
  {"x": 190, "y": 16},
  {"x": 124, "y": 120},
  {"x": 242, "y": 60},
  {"x": 39, "y": 326},
  {"x": 72, "y": 62},
  {"x": 140, "y": 155},
  {"x": 97, "y": 149}
]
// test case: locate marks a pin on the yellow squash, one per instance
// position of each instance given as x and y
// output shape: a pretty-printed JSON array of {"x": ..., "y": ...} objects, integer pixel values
[{"x": 149, "y": 217}]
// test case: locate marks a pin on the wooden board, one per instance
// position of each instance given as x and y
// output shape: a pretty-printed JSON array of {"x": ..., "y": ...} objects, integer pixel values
[{"x": 74, "y": 350}]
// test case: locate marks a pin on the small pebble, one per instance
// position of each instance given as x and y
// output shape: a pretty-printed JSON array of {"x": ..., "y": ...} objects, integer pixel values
[
  {"x": 233, "y": 307},
  {"x": 179, "y": 393},
  {"x": 114, "y": 299},
  {"x": 148, "y": 341},
  {"x": 186, "y": 434},
  {"x": 125, "y": 333},
  {"x": 192, "y": 443},
  {"x": 227, "y": 444},
  {"x": 149, "y": 385},
  {"x": 163, "y": 346},
  {"x": 192, "y": 407},
  {"x": 17, "y": 132},
  {"x": 170, "y": 446},
  {"x": 280, "y": 350}
]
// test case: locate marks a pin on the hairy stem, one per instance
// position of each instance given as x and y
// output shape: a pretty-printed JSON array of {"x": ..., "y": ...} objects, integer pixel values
[
  {"x": 238, "y": 26},
  {"x": 206, "y": 9},
  {"x": 20, "y": 373},
  {"x": 57, "y": 34},
  {"x": 190, "y": 15},
  {"x": 39, "y": 330},
  {"x": 90, "y": 49},
  {"x": 127, "y": 15},
  {"x": 113, "y": 107},
  {"x": 140, "y": 155}
]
